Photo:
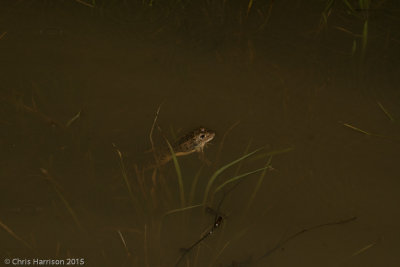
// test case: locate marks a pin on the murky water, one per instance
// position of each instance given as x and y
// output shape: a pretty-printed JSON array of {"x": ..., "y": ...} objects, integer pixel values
[{"x": 80, "y": 87}]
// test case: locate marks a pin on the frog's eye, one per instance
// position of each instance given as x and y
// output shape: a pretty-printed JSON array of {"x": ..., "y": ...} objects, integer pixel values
[{"x": 202, "y": 136}]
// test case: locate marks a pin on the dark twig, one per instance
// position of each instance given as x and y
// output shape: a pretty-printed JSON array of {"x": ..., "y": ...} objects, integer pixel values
[
  {"x": 217, "y": 223},
  {"x": 282, "y": 243}
]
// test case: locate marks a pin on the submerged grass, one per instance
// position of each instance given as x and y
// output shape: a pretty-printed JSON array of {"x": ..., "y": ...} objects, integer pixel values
[
  {"x": 362, "y": 250},
  {"x": 258, "y": 185},
  {"x": 357, "y": 10},
  {"x": 222, "y": 142},
  {"x": 364, "y": 40},
  {"x": 126, "y": 179},
  {"x": 194, "y": 185},
  {"x": 238, "y": 177},
  {"x": 182, "y": 209},
  {"x": 63, "y": 199},
  {"x": 14, "y": 235},
  {"x": 221, "y": 170},
  {"x": 369, "y": 133},
  {"x": 178, "y": 174},
  {"x": 387, "y": 113},
  {"x": 356, "y": 129}
]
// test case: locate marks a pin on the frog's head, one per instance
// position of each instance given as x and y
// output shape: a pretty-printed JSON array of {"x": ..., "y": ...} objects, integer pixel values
[{"x": 203, "y": 136}]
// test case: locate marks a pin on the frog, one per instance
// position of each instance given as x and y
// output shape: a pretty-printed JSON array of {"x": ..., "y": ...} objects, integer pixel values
[{"x": 194, "y": 141}]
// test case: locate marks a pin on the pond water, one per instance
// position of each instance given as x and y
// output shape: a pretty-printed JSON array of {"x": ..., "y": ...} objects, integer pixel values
[{"x": 313, "y": 85}]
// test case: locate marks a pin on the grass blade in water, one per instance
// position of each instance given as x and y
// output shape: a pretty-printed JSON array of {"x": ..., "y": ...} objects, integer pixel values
[
  {"x": 11, "y": 232},
  {"x": 63, "y": 199},
  {"x": 221, "y": 170},
  {"x": 178, "y": 173},
  {"x": 193, "y": 187},
  {"x": 239, "y": 177},
  {"x": 260, "y": 180},
  {"x": 182, "y": 209},
  {"x": 126, "y": 179},
  {"x": 364, "y": 40}
]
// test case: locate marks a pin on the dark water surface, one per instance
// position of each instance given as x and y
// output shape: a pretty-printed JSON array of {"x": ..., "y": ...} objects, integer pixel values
[{"x": 81, "y": 82}]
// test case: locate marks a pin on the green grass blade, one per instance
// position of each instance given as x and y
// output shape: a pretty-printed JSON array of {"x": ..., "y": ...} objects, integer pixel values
[
  {"x": 193, "y": 186},
  {"x": 71, "y": 121},
  {"x": 354, "y": 47},
  {"x": 178, "y": 174},
  {"x": 364, "y": 4},
  {"x": 182, "y": 209},
  {"x": 281, "y": 151},
  {"x": 63, "y": 199},
  {"x": 125, "y": 177},
  {"x": 239, "y": 166},
  {"x": 239, "y": 177},
  {"x": 249, "y": 5},
  {"x": 350, "y": 8},
  {"x": 272, "y": 153},
  {"x": 385, "y": 111},
  {"x": 329, "y": 5},
  {"x": 327, "y": 11},
  {"x": 258, "y": 185},
  {"x": 221, "y": 170},
  {"x": 69, "y": 208},
  {"x": 364, "y": 39},
  {"x": 124, "y": 173},
  {"x": 11, "y": 232}
]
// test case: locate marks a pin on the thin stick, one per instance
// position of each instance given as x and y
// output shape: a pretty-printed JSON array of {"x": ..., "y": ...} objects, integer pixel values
[
  {"x": 85, "y": 3},
  {"x": 35, "y": 111},
  {"x": 368, "y": 133},
  {"x": 123, "y": 242},
  {"x": 281, "y": 244},
  {"x": 217, "y": 224},
  {"x": 385, "y": 111},
  {"x": 2, "y": 35},
  {"x": 125, "y": 177},
  {"x": 8, "y": 230},
  {"x": 57, "y": 188},
  {"x": 363, "y": 249},
  {"x": 356, "y": 129},
  {"x": 73, "y": 119},
  {"x": 152, "y": 127}
]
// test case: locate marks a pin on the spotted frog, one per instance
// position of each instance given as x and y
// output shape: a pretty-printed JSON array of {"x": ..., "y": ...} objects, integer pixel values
[{"x": 194, "y": 141}]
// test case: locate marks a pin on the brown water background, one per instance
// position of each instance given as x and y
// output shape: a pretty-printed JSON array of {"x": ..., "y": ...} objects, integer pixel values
[{"x": 77, "y": 77}]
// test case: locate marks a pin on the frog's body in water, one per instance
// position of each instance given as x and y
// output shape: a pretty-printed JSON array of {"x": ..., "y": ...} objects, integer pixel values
[{"x": 194, "y": 141}]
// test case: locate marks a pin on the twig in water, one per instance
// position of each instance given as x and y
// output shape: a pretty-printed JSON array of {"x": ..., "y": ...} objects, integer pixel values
[
  {"x": 281, "y": 244},
  {"x": 217, "y": 224},
  {"x": 152, "y": 127}
]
